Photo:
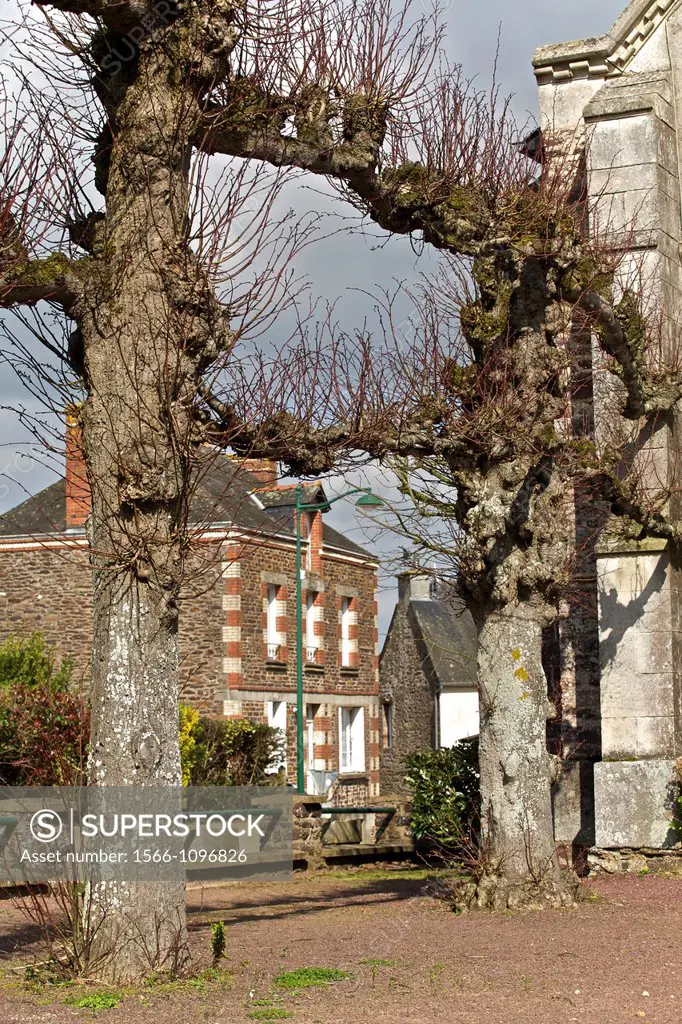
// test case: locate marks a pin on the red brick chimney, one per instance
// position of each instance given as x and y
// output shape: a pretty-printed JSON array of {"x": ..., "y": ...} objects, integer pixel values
[
  {"x": 264, "y": 470},
  {"x": 78, "y": 500}
]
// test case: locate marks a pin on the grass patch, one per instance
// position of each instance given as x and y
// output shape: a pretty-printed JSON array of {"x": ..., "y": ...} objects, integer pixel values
[
  {"x": 378, "y": 963},
  {"x": 269, "y": 1013},
  {"x": 310, "y": 977},
  {"x": 381, "y": 875},
  {"x": 95, "y": 1001},
  {"x": 203, "y": 983}
]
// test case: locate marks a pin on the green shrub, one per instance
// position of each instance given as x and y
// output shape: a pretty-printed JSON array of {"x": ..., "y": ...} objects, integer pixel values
[
  {"x": 231, "y": 752},
  {"x": 31, "y": 662},
  {"x": 95, "y": 1001},
  {"x": 218, "y": 941},
  {"x": 43, "y": 726},
  {"x": 189, "y": 719},
  {"x": 44, "y": 729},
  {"x": 445, "y": 794}
]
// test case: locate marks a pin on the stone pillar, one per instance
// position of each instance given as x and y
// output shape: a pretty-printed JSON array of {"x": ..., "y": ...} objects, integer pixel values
[
  {"x": 618, "y": 99},
  {"x": 634, "y": 190},
  {"x": 640, "y": 697}
]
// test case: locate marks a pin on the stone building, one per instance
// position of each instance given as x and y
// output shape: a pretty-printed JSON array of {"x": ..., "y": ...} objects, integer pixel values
[
  {"x": 427, "y": 677},
  {"x": 237, "y": 616},
  {"x": 615, "y": 103}
]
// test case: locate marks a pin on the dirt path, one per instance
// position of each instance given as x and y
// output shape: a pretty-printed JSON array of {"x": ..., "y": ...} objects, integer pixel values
[{"x": 614, "y": 959}]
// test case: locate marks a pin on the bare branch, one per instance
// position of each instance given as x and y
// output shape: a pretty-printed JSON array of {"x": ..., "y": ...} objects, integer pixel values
[
  {"x": 121, "y": 15},
  {"x": 53, "y": 279},
  {"x": 260, "y": 136}
]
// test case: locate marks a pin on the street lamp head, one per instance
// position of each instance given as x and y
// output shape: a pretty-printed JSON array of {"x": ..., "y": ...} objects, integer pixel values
[{"x": 369, "y": 500}]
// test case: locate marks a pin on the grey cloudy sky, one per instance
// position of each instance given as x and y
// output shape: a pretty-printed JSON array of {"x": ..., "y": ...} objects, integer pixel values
[{"x": 343, "y": 265}]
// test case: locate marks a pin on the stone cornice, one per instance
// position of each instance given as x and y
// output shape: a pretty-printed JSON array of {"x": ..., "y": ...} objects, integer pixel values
[{"x": 604, "y": 56}]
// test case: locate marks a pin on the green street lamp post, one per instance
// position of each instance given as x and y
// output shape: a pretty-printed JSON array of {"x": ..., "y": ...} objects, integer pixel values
[{"x": 368, "y": 500}]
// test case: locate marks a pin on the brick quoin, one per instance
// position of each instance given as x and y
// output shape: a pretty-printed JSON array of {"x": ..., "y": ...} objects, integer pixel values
[{"x": 315, "y": 541}]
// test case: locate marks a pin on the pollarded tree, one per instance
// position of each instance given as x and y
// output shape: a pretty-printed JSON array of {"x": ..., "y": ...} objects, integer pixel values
[
  {"x": 109, "y": 213},
  {"x": 477, "y": 401}
]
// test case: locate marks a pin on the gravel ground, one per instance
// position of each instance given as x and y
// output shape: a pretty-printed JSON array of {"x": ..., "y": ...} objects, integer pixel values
[{"x": 614, "y": 959}]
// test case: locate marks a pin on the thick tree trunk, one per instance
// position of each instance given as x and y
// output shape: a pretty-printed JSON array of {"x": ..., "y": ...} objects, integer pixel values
[
  {"x": 519, "y": 864},
  {"x": 136, "y": 442},
  {"x": 140, "y": 926}
]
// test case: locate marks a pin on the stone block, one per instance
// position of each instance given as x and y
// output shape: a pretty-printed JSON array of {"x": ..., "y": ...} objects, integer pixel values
[
  {"x": 629, "y": 695},
  {"x": 561, "y": 107},
  {"x": 635, "y": 573},
  {"x": 656, "y": 735},
  {"x": 624, "y": 97},
  {"x": 645, "y": 209},
  {"x": 648, "y": 177},
  {"x": 635, "y": 804},
  {"x": 619, "y": 737},
  {"x": 622, "y": 142},
  {"x": 608, "y": 862},
  {"x": 658, "y": 619},
  {"x": 573, "y": 804}
]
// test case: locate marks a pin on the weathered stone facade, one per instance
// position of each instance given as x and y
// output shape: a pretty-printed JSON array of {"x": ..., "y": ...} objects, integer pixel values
[
  {"x": 614, "y": 102},
  {"x": 227, "y": 663},
  {"x": 427, "y": 672}
]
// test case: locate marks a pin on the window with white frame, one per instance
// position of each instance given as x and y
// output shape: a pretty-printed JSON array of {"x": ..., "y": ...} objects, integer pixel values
[
  {"x": 311, "y": 640},
  {"x": 271, "y": 630},
  {"x": 277, "y": 719},
  {"x": 351, "y": 739},
  {"x": 310, "y": 712},
  {"x": 345, "y": 632}
]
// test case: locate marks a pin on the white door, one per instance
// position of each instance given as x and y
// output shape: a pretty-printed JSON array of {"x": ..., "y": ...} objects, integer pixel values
[{"x": 458, "y": 713}]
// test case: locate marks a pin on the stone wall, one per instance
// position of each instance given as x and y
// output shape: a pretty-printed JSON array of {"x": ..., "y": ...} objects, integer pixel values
[
  {"x": 316, "y": 836},
  {"x": 410, "y": 693},
  {"x": 349, "y": 791},
  {"x": 201, "y": 640},
  {"x": 49, "y": 590}
]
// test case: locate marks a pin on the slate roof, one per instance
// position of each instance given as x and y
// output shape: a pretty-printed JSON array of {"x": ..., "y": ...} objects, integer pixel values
[
  {"x": 221, "y": 495},
  {"x": 447, "y": 631},
  {"x": 283, "y": 497}
]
